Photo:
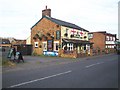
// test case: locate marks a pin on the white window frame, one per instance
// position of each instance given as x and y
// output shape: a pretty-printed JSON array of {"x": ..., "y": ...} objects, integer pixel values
[
  {"x": 107, "y": 38},
  {"x": 113, "y": 38},
  {"x": 90, "y": 35},
  {"x": 110, "y": 38},
  {"x": 70, "y": 45},
  {"x": 56, "y": 43},
  {"x": 36, "y": 44},
  {"x": 106, "y": 46},
  {"x": 44, "y": 46},
  {"x": 112, "y": 46}
]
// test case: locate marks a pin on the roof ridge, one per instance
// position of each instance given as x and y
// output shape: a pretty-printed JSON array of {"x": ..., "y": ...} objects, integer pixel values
[{"x": 62, "y": 23}]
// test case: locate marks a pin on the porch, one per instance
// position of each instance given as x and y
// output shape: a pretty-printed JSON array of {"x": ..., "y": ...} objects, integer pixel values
[{"x": 75, "y": 48}]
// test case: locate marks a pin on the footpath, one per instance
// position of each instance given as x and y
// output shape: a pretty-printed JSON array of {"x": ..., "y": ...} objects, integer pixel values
[{"x": 45, "y": 61}]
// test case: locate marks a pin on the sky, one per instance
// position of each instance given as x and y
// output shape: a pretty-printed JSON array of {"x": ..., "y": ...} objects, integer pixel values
[{"x": 18, "y": 16}]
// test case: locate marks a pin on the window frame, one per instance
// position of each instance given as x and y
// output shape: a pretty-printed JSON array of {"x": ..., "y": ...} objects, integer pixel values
[
  {"x": 36, "y": 44},
  {"x": 44, "y": 45},
  {"x": 58, "y": 35}
]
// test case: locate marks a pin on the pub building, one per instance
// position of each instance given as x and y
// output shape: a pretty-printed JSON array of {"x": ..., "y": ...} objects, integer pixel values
[{"x": 54, "y": 37}]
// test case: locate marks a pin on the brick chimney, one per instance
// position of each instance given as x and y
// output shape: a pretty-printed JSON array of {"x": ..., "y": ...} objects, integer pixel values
[{"x": 46, "y": 12}]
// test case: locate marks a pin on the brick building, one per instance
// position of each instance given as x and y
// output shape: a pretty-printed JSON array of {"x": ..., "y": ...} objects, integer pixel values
[
  {"x": 50, "y": 36},
  {"x": 103, "y": 42}
]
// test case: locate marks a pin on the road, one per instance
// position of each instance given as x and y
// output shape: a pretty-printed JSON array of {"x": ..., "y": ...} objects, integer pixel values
[{"x": 96, "y": 72}]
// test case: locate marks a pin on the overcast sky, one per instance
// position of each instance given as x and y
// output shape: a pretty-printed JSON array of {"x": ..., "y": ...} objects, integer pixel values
[{"x": 18, "y": 16}]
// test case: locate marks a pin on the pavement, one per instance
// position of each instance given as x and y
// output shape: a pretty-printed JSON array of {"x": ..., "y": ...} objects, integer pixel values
[{"x": 32, "y": 62}]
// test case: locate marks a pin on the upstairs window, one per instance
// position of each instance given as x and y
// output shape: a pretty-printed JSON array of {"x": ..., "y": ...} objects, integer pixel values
[
  {"x": 107, "y": 38},
  {"x": 113, "y": 38},
  {"x": 58, "y": 34},
  {"x": 90, "y": 35}
]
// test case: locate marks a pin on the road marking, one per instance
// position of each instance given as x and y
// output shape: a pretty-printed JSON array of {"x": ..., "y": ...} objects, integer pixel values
[
  {"x": 100, "y": 62},
  {"x": 94, "y": 64},
  {"x": 39, "y": 79}
]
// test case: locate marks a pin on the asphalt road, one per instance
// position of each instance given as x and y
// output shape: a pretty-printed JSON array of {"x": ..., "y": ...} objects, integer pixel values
[{"x": 96, "y": 72}]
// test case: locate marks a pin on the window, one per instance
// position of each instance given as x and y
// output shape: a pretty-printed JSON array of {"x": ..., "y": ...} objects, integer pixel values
[
  {"x": 36, "y": 44},
  {"x": 106, "y": 46},
  {"x": 110, "y": 38},
  {"x": 84, "y": 47},
  {"x": 58, "y": 34},
  {"x": 56, "y": 46},
  {"x": 112, "y": 46},
  {"x": 113, "y": 38},
  {"x": 70, "y": 47},
  {"x": 107, "y": 38},
  {"x": 44, "y": 46},
  {"x": 90, "y": 35},
  {"x": 109, "y": 46},
  {"x": 50, "y": 45}
]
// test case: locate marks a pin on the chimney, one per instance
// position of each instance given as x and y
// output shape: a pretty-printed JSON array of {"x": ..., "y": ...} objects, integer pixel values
[{"x": 46, "y": 12}]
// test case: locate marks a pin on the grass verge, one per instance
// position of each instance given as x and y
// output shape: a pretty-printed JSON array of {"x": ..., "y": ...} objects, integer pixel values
[{"x": 6, "y": 62}]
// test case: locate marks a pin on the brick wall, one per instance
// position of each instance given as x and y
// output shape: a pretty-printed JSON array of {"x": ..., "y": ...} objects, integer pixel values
[
  {"x": 44, "y": 26},
  {"x": 98, "y": 40}
]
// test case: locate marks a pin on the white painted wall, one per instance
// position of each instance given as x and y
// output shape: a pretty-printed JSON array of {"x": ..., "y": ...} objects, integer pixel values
[
  {"x": 63, "y": 31},
  {"x": 28, "y": 40}
]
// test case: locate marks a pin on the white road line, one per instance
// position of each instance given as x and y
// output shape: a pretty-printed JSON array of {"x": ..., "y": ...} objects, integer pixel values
[
  {"x": 90, "y": 65},
  {"x": 94, "y": 64},
  {"x": 100, "y": 62},
  {"x": 39, "y": 79}
]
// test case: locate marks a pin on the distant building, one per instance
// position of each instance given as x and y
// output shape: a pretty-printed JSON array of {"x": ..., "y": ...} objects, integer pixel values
[
  {"x": 5, "y": 42},
  {"x": 18, "y": 42},
  {"x": 50, "y": 36},
  {"x": 28, "y": 40},
  {"x": 103, "y": 41}
]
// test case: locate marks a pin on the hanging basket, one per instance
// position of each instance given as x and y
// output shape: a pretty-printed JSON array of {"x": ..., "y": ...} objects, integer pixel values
[
  {"x": 65, "y": 34},
  {"x": 48, "y": 34},
  {"x": 71, "y": 36}
]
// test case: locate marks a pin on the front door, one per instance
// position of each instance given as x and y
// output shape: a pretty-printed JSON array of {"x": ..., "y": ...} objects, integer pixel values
[{"x": 50, "y": 45}]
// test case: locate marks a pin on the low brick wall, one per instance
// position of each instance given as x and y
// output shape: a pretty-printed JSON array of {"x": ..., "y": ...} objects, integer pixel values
[
  {"x": 106, "y": 51},
  {"x": 68, "y": 55}
]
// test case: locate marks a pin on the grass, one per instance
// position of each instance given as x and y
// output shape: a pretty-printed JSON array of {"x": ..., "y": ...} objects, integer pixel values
[{"x": 6, "y": 62}]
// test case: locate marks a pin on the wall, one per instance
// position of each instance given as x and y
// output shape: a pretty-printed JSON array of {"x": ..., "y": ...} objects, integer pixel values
[
  {"x": 98, "y": 40},
  {"x": 71, "y": 30},
  {"x": 28, "y": 40},
  {"x": 44, "y": 26}
]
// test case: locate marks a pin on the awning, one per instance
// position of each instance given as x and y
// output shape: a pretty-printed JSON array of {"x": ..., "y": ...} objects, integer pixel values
[{"x": 76, "y": 41}]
